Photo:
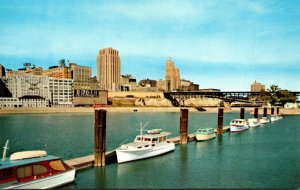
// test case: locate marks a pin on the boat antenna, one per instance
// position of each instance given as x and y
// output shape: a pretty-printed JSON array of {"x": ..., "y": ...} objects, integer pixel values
[
  {"x": 4, "y": 150},
  {"x": 142, "y": 127}
]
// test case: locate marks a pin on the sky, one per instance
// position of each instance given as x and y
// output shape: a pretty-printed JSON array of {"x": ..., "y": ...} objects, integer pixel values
[{"x": 217, "y": 44}]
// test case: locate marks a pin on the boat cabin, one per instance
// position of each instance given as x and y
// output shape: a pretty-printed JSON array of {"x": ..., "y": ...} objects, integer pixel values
[
  {"x": 153, "y": 138},
  {"x": 238, "y": 122},
  {"x": 205, "y": 131},
  {"x": 12, "y": 171}
]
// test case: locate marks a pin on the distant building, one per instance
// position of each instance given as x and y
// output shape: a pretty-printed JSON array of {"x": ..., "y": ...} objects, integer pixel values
[
  {"x": 58, "y": 72},
  {"x": 127, "y": 81},
  {"x": 27, "y": 91},
  {"x": 2, "y": 71},
  {"x": 80, "y": 73},
  {"x": 187, "y": 85},
  {"x": 89, "y": 93},
  {"x": 148, "y": 83},
  {"x": 61, "y": 91},
  {"x": 257, "y": 87},
  {"x": 172, "y": 75},
  {"x": 162, "y": 85},
  {"x": 109, "y": 69},
  {"x": 25, "y": 71}
]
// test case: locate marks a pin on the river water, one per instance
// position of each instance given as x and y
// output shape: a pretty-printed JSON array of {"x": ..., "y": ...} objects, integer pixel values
[{"x": 267, "y": 156}]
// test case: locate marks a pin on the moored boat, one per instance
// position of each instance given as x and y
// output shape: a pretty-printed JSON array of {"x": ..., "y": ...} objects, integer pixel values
[
  {"x": 145, "y": 146},
  {"x": 274, "y": 118},
  {"x": 237, "y": 125},
  {"x": 264, "y": 120},
  {"x": 34, "y": 170},
  {"x": 253, "y": 122},
  {"x": 205, "y": 134}
]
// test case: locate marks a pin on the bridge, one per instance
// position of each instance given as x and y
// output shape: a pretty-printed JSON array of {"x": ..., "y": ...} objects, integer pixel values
[{"x": 178, "y": 98}]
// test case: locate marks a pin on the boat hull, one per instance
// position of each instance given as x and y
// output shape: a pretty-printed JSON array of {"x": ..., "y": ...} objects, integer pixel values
[
  {"x": 131, "y": 155},
  {"x": 238, "y": 128},
  {"x": 204, "y": 137},
  {"x": 253, "y": 122},
  {"x": 47, "y": 182}
]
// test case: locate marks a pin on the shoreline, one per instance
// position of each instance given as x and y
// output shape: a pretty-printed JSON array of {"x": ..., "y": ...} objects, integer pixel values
[{"x": 57, "y": 110}]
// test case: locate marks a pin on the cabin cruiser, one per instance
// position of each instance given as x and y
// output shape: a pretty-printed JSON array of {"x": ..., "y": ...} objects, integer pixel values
[
  {"x": 237, "y": 125},
  {"x": 264, "y": 120},
  {"x": 253, "y": 122},
  {"x": 205, "y": 134},
  {"x": 34, "y": 170},
  {"x": 145, "y": 146}
]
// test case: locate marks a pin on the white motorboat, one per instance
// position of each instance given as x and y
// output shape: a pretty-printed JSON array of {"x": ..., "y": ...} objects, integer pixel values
[
  {"x": 145, "y": 146},
  {"x": 34, "y": 170},
  {"x": 237, "y": 125},
  {"x": 264, "y": 120},
  {"x": 205, "y": 134},
  {"x": 275, "y": 117},
  {"x": 253, "y": 122}
]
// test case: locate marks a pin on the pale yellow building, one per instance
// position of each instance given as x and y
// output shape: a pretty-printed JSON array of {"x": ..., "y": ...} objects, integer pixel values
[
  {"x": 109, "y": 69},
  {"x": 257, "y": 87},
  {"x": 58, "y": 72},
  {"x": 80, "y": 73},
  {"x": 172, "y": 75}
]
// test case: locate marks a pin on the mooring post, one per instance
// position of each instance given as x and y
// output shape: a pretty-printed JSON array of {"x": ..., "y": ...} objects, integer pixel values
[
  {"x": 242, "y": 113},
  {"x": 100, "y": 136},
  {"x": 184, "y": 115},
  {"x": 256, "y": 113},
  {"x": 220, "y": 121},
  {"x": 265, "y": 111},
  {"x": 272, "y": 111},
  {"x": 277, "y": 110}
]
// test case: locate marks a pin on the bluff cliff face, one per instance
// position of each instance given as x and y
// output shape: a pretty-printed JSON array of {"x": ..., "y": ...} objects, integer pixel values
[{"x": 162, "y": 102}]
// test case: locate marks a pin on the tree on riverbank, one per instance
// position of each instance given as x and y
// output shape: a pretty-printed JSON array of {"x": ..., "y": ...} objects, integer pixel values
[{"x": 275, "y": 96}]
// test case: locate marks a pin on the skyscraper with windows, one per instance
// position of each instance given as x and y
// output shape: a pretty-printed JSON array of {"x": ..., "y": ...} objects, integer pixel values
[
  {"x": 109, "y": 69},
  {"x": 172, "y": 75}
]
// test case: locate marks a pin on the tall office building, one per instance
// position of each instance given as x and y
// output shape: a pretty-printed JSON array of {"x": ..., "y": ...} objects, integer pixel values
[
  {"x": 257, "y": 87},
  {"x": 109, "y": 69},
  {"x": 172, "y": 75}
]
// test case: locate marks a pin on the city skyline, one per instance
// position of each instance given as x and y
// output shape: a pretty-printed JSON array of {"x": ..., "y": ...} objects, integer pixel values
[{"x": 225, "y": 45}]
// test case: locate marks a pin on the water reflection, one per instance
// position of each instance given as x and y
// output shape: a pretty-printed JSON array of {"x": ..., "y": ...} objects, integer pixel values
[
  {"x": 183, "y": 163},
  {"x": 100, "y": 177}
]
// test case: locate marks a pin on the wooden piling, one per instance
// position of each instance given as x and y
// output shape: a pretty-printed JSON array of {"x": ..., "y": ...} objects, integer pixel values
[
  {"x": 220, "y": 121},
  {"x": 100, "y": 137},
  {"x": 272, "y": 110},
  {"x": 265, "y": 111},
  {"x": 242, "y": 113},
  {"x": 256, "y": 113},
  {"x": 184, "y": 114}
]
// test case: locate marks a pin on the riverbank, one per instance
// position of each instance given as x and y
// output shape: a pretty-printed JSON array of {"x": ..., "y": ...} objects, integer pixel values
[{"x": 130, "y": 109}]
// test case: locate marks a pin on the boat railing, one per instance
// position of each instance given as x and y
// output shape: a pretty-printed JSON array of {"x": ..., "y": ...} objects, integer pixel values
[{"x": 123, "y": 142}]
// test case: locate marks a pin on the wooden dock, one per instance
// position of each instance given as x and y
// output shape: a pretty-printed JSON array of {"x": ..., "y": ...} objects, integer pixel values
[
  {"x": 111, "y": 157},
  {"x": 88, "y": 161},
  {"x": 191, "y": 137}
]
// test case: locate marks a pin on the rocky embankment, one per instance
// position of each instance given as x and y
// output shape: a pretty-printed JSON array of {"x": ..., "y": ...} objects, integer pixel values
[{"x": 162, "y": 102}]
